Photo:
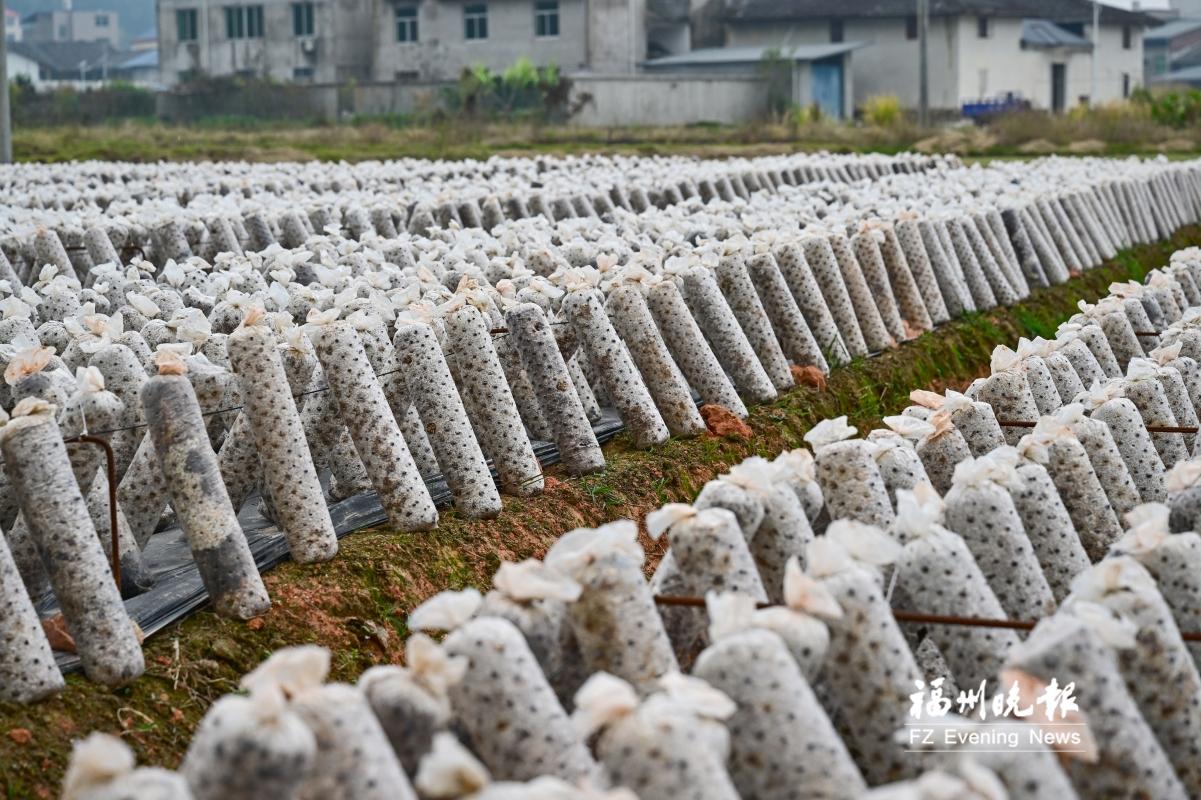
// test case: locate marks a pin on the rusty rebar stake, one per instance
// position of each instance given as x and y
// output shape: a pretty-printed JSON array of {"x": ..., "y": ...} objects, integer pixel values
[
  {"x": 911, "y": 616},
  {"x": 1013, "y": 423},
  {"x": 110, "y": 463}
]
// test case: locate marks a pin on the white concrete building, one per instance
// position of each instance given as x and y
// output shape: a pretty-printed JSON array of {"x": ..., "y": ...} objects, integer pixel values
[
  {"x": 979, "y": 50},
  {"x": 434, "y": 40},
  {"x": 422, "y": 41},
  {"x": 72, "y": 26},
  {"x": 318, "y": 41},
  {"x": 12, "y": 26}
]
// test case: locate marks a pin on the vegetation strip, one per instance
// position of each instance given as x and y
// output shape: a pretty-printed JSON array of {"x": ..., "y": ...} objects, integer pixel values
[{"x": 356, "y": 604}]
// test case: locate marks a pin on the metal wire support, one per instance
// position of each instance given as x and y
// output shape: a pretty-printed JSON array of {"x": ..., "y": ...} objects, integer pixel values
[{"x": 110, "y": 463}]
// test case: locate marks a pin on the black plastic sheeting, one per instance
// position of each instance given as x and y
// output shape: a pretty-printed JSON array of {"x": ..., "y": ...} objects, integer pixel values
[{"x": 178, "y": 590}]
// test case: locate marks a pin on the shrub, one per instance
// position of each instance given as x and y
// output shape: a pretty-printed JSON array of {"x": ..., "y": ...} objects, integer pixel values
[
  {"x": 1174, "y": 107},
  {"x": 883, "y": 110}
]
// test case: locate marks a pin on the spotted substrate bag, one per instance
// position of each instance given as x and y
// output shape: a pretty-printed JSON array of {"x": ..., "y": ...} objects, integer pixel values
[
  {"x": 1142, "y": 387},
  {"x": 1055, "y": 447},
  {"x": 1067, "y": 649},
  {"x": 1173, "y": 559},
  {"x": 870, "y": 670},
  {"x": 1159, "y": 671},
  {"x": 900, "y": 465},
  {"x": 616, "y": 625},
  {"x": 1130, "y": 435},
  {"x": 252, "y": 746},
  {"x": 352, "y": 757},
  {"x": 27, "y": 669},
  {"x": 102, "y": 768},
  {"x": 709, "y": 551},
  {"x": 975, "y": 420},
  {"x": 850, "y": 479},
  {"x": 983, "y": 513},
  {"x": 798, "y": 470},
  {"x": 411, "y": 702},
  {"x": 656, "y": 749},
  {"x": 1104, "y": 455},
  {"x": 1045, "y": 520},
  {"x": 536, "y": 599},
  {"x": 450, "y": 772},
  {"x": 36, "y": 461},
  {"x": 1007, "y": 391},
  {"x": 939, "y": 575},
  {"x": 197, "y": 494},
  {"x": 940, "y": 450},
  {"x": 503, "y": 704},
  {"x": 725, "y": 337},
  {"x": 782, "y": 743},
  {"x": 784, "y": 531}
]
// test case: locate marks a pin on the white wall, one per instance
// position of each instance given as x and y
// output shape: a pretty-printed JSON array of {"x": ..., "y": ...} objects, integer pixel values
[
  {"x": 887, "y": 65},
  {"x": 19, "y": 66},
  {"x": 615, "y": 99},
  {"x": 668, "y": 99}
]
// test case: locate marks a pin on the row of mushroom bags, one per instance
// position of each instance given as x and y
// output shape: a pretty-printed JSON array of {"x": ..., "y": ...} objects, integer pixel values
[
  {"x": 307, "y": 358},
  {"x": 770, "y": 654}
]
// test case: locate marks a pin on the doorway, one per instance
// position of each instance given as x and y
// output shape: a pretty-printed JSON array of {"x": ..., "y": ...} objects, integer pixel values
[
  {"x": 827, "y": 86},
  {"x": 1059, "y": 87}
]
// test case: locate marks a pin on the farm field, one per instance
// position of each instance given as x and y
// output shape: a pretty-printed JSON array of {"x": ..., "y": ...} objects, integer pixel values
[{"x": 375, "y": 384}]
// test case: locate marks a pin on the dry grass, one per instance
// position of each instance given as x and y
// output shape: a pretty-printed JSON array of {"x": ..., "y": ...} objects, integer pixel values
[{"x": 1115, "y": 130}]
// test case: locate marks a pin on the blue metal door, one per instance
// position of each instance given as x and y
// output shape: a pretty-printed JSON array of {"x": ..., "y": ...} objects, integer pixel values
[{"x": 827, "y": 86}]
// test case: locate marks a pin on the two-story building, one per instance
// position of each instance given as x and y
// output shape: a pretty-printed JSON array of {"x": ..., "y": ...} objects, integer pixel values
[
  {"x": 433, "y": 40},
  {"x": 72, "y": 26},
  {"x": 332, "y": 41},
  {"x": 324, "y": 41},
  {"x": 1042, "y": 50}
]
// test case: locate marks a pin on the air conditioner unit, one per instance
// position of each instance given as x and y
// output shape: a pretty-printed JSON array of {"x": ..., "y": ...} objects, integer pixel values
[{"x": 308, "y": 46}]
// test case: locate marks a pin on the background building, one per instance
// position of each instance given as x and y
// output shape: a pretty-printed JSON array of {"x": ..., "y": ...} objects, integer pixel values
[
  {"x": 53, "y": 64},
  {"x": 978, "y": 49},
  {"x": 72, "y": 26}
]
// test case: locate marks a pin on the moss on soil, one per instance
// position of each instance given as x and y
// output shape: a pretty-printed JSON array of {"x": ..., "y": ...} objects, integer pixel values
[{"x": 356, "y": 605}]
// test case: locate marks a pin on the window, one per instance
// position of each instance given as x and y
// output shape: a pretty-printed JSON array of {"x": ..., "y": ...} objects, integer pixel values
[
  {"x": 406, "y": 23},
  {"x": 244, "y": 22},
  {"x": 1125, "y": 84},
  {"x": 546, "y": 18},
  {"x": 982, "y": 27},
  {"x": 911, "y": 27},
  {"x": 102, "y": 20},
  {"x": 302, "y": 19},
  {"x": 475, "y": 21},
  {"x": 836, "y": 32},
  {"x": 302, "y": 73},
  {"x": 185, "y": 24},
  {"x": 62, "y": 33},
  {"x": 1127, "y": 37}
]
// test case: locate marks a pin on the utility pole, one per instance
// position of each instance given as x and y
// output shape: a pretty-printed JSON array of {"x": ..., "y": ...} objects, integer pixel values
[
  {"x": 923, "y": 68},
  {"x": 1096, "y": 37},
  {"x": 6, "y": 128}
]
